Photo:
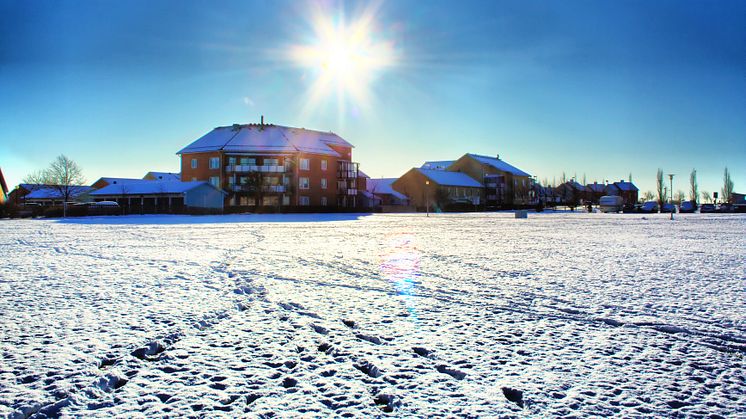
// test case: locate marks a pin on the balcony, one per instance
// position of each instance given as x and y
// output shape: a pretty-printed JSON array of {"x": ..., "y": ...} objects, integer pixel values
[
  {"x": 349, "y": 192},
  {"x": 261, "y": 169},
  {"x": 265, "y": 188}
]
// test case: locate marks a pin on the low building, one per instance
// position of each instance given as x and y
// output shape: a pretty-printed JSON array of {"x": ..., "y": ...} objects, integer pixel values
[
  {"x": 596, "y": 191},
  {"x": 3, "y": 188},
  {"x": 627, "y": 190},
  {"x": 432, "y": 189},
  {"x": 46, "y": 195},
  {"x": 505, "y": 184},
  {"x": 383, "y": 190},
  {"x": 572, "y": 193},
  {"x": 162, "y": 197}
]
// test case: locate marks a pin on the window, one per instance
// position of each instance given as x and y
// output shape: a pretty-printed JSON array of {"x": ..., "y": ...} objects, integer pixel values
[
  {"x": 285, "y": 200},
  {"x": 231, "y": 161},
  {"x": 271, "y": 162},
  {"x": 305, "y": 201},
  {"x": 323, "y": 183},
  {"x": 323, "y": 164},
  {"x": 245, "y": 161},
  {"x": 231, "y": 180},
  {"x": 194, "y": 163},
  {"x": 303, "y": 183},
  {"x": 215, "y": 180},
  {"x": 323, "y": 201},
  {"x": 305, "y": 164},
  {"x": 214, "y": 162}
]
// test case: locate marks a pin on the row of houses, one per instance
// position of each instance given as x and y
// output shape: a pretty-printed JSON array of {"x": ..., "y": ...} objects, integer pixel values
[{"x": 247, "y": 166}]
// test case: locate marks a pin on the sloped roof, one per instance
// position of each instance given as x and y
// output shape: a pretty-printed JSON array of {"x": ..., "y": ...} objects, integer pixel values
[
  {"x": 163, "y": 176},
  {"x": 382, "y": 186},
  {"x": 52, "y": 192},
  {"x": 444, "y": 178},
  {"x": 149, "y": 188},
  {"x": 118, "y": 180},
  {"x": 576, "y": 185},
  {"x": 498, "y": 164},
  {"x": 437, "y": 164},
  {"x": 625, "y": 186},
  {"x": 596, "y": 187},
  {"x": 255, "y": 138}
]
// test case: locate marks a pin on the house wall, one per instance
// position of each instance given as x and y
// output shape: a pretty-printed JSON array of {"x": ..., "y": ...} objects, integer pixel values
[
  {"x": 202, "y": 172},
  {"x": 517, "y": 187},
  {"x": 204, "y": 196},
  {"x": 314, "y": 174},
  {"x": 412, "y": 184}
]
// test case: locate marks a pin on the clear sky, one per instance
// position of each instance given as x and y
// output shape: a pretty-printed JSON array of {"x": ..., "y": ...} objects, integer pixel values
[{"x": 595, "y": 88}]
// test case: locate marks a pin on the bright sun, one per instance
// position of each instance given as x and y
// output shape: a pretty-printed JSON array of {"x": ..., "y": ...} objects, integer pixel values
[{"x": 344, "y": 60}]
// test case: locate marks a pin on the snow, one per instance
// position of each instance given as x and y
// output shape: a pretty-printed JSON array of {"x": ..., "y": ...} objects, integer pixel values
[
  {"x": 254, "y": 138},
  {"x": 146, "y": 187},
  {"x": 445, "y": 178},
  {"x": 563, "y": 314},
  {"x": 499, "y": 164},
  {"x": 383, "y": 186},
  {"x": 164, "y": 175},
  {"x": 51, "y": 192},
  {"x": 437, "y": 165}
]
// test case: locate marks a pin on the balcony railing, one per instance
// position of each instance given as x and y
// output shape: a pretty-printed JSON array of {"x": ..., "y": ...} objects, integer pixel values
[
  {"x": 350, "y": 192},
  {"x": 265, "y": 188},
  {"x": 262, "y": 169}
]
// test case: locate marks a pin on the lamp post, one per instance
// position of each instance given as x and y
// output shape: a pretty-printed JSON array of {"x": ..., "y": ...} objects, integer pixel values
[
  {"x": 427, "y": 198},
  {"x": 670, "y": 177}
]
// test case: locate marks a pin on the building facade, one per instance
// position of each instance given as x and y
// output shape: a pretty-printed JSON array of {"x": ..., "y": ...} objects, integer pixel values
[
  {"x": 505, "y": 185},
  {"x": 433, "y": 189},
  {"x": 274, "y": 166}
]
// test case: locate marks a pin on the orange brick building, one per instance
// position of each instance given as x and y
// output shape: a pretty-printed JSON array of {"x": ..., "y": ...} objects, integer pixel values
[{"x": 275, "y": 166}]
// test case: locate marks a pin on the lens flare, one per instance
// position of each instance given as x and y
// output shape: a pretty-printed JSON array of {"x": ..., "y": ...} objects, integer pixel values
[
  {"x": 344, "y": 59},
  {"x": 400, "y": 265}
]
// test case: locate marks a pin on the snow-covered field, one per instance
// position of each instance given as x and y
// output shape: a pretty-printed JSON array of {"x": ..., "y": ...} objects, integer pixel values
[{"x": 477, "y": 315}]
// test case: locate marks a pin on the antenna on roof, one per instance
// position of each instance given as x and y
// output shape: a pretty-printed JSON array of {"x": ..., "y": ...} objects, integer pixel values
[{"x": 498, "y": 157}]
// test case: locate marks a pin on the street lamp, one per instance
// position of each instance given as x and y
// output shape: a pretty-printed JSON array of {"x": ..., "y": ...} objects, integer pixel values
[
  {"x": 427, "y": 198},
  {"x": 670, "y": 177}
]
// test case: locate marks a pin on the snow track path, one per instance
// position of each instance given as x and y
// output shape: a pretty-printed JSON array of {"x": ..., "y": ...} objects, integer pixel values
[{"x": 453, "y": 315}]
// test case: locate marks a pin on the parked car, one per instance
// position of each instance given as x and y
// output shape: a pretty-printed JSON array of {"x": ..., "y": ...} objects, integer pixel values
[
  {"x": 707, "y": 208},
  {"x": 650, "y": 206},
  {"x": 727, "y": 208},
  {"x": 688, "y": 207},
  {"x": 668, "y": 207}
]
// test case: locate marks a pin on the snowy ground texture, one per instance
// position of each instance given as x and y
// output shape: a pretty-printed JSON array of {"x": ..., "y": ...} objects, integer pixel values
[{"x": 478, "y": 315}]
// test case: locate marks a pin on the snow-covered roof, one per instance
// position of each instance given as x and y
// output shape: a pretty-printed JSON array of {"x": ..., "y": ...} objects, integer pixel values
[
  {"x": 596, "y": 187},
  {"x": 53, "y": 192},
  {"x": 444, "y": 178},
  {"x": 255, "y": 138},
  {"x": 437, "y": 164},
  {"x": 498, "y": 164},
  {"x": 625, "y": 186},
  {"x": 576, "y": 185},
  {"x": 162, "y": 176},
  {"x": 382, "y": 186},
  {"x": 149, "y": 188},
  {"x": 120, "y": 180},
  {"x": 361, "y": 174}
]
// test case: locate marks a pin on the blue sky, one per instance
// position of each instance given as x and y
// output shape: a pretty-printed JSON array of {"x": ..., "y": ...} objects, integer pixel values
[{"x": 595, "y": 88}]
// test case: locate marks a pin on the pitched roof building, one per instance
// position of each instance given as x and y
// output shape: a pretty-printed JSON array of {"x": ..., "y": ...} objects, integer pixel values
[
  {"x": 272, "y": 165},
  {"x": 505, "y": 184},
  {"x": 438, "y": 189}
]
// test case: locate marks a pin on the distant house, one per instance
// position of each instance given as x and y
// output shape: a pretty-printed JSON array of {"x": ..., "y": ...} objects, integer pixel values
[
  {"x": 627, "y": 190},
  {"x": 572, "y": 193},
  {"x": 384, "y": 192},
  {"x": 505, "y": 184},
  {"x": 162, "y": 197},
  {"x": 438, "y": 189},
  {"x": 162, "y": 176},
  {"x": 29, "y": 193},
  {"x": 596, "y": 190},
  {"x": 738, "y": 199},
  {"x": 3, "y": 188}
]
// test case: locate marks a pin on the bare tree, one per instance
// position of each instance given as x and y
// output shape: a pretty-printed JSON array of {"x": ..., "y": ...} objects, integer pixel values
[
  {"x": 727, "y": 191},
  {"x": 64, "y": 176},
  {"x": 679, "y": 197},
  {"x": 563, "y": 179},
  {"x": 660, "y": 187},
  {"x": 630, "y": 177},
  {"x": 648, "y": 196},
  {"x": 706, "y": 197},
  {"x": 693, "y": 187}
]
